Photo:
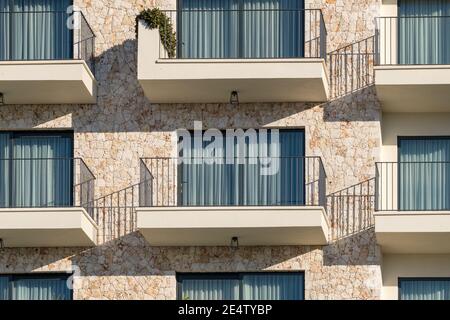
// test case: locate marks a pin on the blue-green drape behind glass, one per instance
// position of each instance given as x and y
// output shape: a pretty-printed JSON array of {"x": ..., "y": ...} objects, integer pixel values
[
  {"x": 264, "y": 286},
  {"x": 34, "y": 288},
  {"x": 4, "y": 288},
  {"x": 241, "y": 28},
  {"x": 422, "y": 38},
  {"x": 417, "y": 289},
  {"x": 424, "y": 173},
  {"x": 217, "y": 184},
  {"x": 283, "y": 286},
  {"x": 35, "y": 30},
  {"x": 4, "y": 169},
  {"x": 36, "y": 171},
  {"x": 210, "y": 289}
]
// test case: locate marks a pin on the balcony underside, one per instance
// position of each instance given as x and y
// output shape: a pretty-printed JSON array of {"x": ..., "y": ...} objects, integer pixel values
[
  {"x": 47, "y": 82},
  {"x": 416, "y": 88},
  {"x": 254, "y": 226},
  {"x": 424, "y": 232},
  {"x": 47, "y": 227},
  {"x": 213, "y": 80}
]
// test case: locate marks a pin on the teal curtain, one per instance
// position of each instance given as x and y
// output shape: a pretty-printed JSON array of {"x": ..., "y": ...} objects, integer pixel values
[
  {"x": 418, "y": 289},
  {"x": 41, "y": 289},
  {"x": 220, "y": 183},
  {"x": 424, "y": 174},
  {"x": 35, "y": 30},
  {"x": 36, "y": 170},
  {"x": 46, "y": 287},
  {"x": 242, "y": 286},
  {"x": 282, "y": 286},
  {"x": 210, "y": 289},
  {"x": 4, "y": 287},
  {"x": 4, "y": 169},
  {"x": 424, "y": 26},
  {"x": 241, "y": 28}
]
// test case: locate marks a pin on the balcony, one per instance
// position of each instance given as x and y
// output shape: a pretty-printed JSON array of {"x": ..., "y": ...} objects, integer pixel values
[
  {"x": 413, "y": 64},
  {"x": 283, "y": 61},
  {"x": 204, "y": 202},
  {"x": 43, "y": 61},
  {"x": 413, "y": 207},
  {"x": 42, "y": 203}
]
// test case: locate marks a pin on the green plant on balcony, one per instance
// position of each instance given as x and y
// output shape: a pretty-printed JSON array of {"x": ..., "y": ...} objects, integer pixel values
[{"x": 156, "y": 19}]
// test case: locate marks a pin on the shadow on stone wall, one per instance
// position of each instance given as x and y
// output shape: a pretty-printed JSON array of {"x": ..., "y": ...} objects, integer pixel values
[{"x": 133, "y": 255}]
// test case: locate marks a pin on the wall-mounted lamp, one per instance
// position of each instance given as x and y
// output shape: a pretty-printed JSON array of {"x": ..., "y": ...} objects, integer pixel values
[
  {"x": 234, "y": 98},
  {"x": 1, "y": 244},
  {"x": 1, "y": 99},
  {"x": 234, "y": 243}
]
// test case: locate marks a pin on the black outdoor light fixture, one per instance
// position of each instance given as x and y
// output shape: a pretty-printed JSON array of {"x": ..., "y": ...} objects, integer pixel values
[
  {"x": 1, "y": 99},
  {"x": 234, "y": 243},
  {"x": 234, "y": 98}
]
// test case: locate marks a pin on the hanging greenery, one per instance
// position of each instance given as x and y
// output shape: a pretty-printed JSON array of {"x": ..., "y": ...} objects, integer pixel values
[{"x": 156, "y": 19}]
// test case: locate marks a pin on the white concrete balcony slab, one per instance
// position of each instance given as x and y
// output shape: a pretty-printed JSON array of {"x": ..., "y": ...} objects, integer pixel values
[
  {"x": 47, "y": 227},
  {"x": 413, "y": 232},
  {"x": 216, "y": 226},
  {"x": 47, "y": 82},
  {"x": 413, "y": 88},
  {"x": 212, "y": 80}
]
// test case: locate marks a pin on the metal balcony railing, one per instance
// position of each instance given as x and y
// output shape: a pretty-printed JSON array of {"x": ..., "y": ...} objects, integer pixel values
[
  {"x": 412, "y": 186},
  {"x": 413, "y": 40},
  {"x": 246, "y": 34},
  {"x": 46, "y": 35},
  {"x": 249, "y": 181},
  {"x": 45, "y": 183}
]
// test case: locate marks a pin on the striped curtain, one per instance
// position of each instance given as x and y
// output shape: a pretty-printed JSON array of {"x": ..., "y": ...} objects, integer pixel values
[
  {"x": 424, "y": 26},
  {"x": 4, "y": 287},
  {"x": 283, "y": 286},
  {"x": 241, "y": 29},
  {"x": 35, "y": 30},
  {"x": 41, "y": 289},
  {"x": 424, "y": 174},
  {"x": 246, "y": 182},
  {"x": 210, "y": 289},
  {"x": 4, "y": 169},
  {"x": 418, "y": 289}
]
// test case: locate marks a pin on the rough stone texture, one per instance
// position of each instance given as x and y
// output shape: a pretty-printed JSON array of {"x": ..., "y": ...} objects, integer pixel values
[{"x": 124, "y": 126}]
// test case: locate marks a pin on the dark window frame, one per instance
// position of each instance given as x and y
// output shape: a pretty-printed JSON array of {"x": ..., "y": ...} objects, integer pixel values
[
  {"x": 231, "y": 276},
  {"x": 240, "y": 41},
  {"x": 14, "y": 134},
  {"x": 180, "y": 183},
  {"x": 12, "y": 277}
]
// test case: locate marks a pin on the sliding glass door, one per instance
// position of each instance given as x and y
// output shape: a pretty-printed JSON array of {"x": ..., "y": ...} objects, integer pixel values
[
  {"x": 241, "y": 286},
  {"x": 269, "y": 172},
  {"x": 36, "y": 169},
  {"x": 221, "y": 29},
  {"x": 424, "y": 173},
  {"x": 35, "y": 287},
  {"x": 424, "y": 289},
  {"x": 424, "y": 27},
  {"x": 35, "y": 30}
]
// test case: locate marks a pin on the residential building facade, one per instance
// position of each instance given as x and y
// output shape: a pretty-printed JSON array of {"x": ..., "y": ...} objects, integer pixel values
[{"x": 107, "y": 178}]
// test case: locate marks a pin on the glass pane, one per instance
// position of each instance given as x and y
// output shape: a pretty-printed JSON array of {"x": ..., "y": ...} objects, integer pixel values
[
  {"x": 425, "y": 289},
  {"x": 423, "y": 31},
  {"x": 241, "y": 29},
  {"x": 42, "y": 171},
  {"x": 274, "y": 286},
  {"x": 4, "y": 287},
  {"x": 35, "y": 30},
  {"x": 41, "y": 289},
  {"x": 210, "y": 289},
  {"x": 268, "y": 170},
  {"x": 4, "y": 170},
  {"x": 424, "y": 174}
]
